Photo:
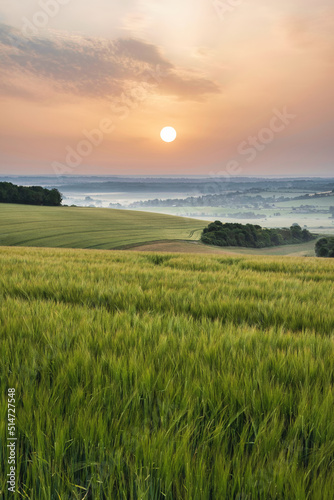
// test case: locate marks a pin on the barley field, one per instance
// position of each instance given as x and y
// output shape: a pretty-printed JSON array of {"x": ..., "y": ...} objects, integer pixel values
[
  {"x": 167, "y": 376},
  {"x": 147, "y": 376}
]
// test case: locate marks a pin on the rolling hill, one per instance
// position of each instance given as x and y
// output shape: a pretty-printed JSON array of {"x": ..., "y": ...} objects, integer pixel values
[
  {"x": 102, "y": 228},
  {"x": 99, "y": 228}
]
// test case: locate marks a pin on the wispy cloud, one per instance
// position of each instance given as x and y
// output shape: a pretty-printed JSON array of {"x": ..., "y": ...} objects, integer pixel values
[{"x": 94, "y": 67}]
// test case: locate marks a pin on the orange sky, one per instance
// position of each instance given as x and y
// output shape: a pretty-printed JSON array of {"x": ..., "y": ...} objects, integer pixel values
[{"x": 218, "y": 72}]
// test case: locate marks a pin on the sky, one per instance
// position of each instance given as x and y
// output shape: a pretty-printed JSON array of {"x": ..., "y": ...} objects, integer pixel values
[{"x": 86, "y": 87}]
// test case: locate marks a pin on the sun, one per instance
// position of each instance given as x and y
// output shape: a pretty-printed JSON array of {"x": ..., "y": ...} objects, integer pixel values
[{"x": 168, "y": 134}]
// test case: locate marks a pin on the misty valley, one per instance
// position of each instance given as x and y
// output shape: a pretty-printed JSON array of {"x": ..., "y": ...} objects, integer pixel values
[{"x": 269, "y": 202}]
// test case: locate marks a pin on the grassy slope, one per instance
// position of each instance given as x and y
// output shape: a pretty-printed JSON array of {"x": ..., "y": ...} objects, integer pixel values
[
  {"x": 156, "y": 376},
  {"x": 24, "y": 225}
]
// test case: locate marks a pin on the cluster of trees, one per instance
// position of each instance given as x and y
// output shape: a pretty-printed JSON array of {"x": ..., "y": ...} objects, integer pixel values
[
  {"x": 33, "y": 195},
  {"x": 252, "y": 236},
  {"x": 325, "y": 247}
]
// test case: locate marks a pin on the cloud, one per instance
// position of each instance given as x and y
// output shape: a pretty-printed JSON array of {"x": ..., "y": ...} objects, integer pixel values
[
  {"x": 185, "y": 86},
  {"x": 94, "y": 67}
]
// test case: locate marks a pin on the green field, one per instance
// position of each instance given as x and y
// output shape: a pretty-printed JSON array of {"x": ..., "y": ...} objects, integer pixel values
[
  {"x": 165, "y": 376},
  {"x": 99, "y": 228},
  {"x": 103, "y": 228}
]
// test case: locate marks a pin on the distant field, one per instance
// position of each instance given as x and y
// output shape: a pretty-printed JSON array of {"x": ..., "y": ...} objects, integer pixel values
[
  {"x": 99, "y": 228},
  {"x": 103, "y": 228},
  {"x": 143, "y": 376},
  {"x": 299, "y": 250}
]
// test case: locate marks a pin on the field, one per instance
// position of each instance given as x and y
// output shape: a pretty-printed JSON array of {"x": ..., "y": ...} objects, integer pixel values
[
  {"x": 103, "y": 228},
  {"x": 99, "y": 228},
  {"x": 144, "y": 376}
]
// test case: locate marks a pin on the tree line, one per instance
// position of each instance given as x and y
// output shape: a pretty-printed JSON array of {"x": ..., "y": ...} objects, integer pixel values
[
  {"x": 29, "y": 195},
  {"x": 252, "y": 236}
]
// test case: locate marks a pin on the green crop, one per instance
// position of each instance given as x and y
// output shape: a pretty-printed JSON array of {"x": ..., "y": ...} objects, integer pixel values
[{"x": 165, "y": 376}]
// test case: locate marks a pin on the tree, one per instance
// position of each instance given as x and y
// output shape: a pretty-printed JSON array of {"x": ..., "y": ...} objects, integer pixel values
[
  {"x": 323, "y": 252},
  {"x": 53, "y": 198}
]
